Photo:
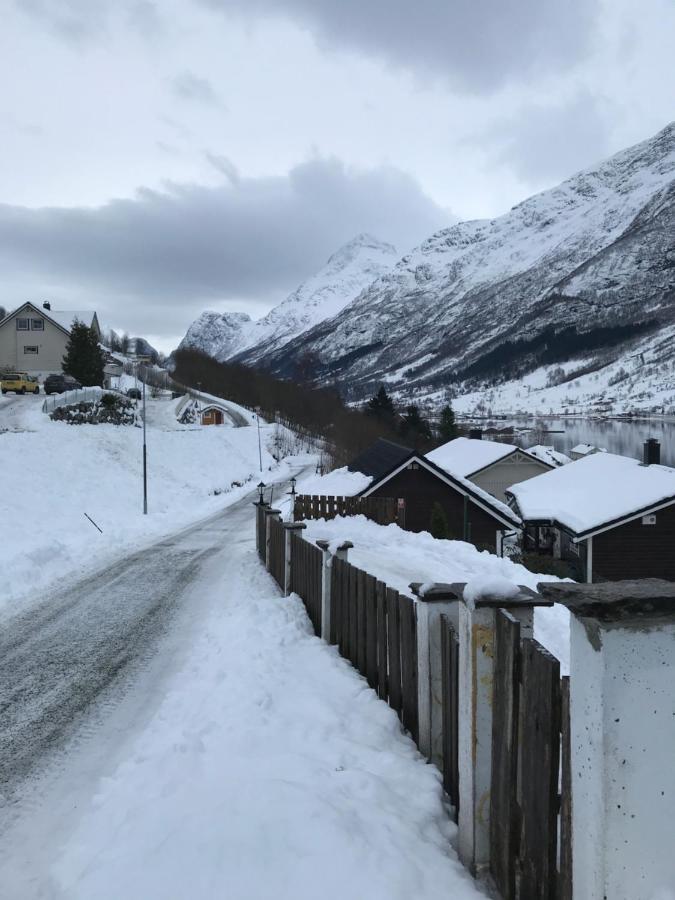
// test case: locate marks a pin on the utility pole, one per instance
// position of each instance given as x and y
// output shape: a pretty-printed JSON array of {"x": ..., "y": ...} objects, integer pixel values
[
  {"x": 145, "y": 461},
  {"x": 257, "y": 417}
]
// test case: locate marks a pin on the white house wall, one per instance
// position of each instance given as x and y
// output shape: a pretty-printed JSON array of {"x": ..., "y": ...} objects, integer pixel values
[
  {"x": 495, "y": 479},
  {"x": 51, "y": 344}
]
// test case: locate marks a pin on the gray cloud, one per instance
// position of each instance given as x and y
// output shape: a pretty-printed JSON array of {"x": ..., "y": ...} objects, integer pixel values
[
  {"x": 223, "y": 165},
  {"x": 476, "y": 43},
  {"x": 151, "y": 263},
  {"x": 190, "y": 87},
  {"x": 79, "y": 21},
  {"x": 546, "y": 143}
]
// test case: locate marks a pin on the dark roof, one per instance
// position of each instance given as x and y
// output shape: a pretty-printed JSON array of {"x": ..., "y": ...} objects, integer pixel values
[{"x": 380, "y": 458}]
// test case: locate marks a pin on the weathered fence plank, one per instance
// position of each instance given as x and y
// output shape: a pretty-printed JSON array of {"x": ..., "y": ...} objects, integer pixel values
[
  {"x": 277, "y": 552},
  {"x": 408, "y": 664},
  {"x": 381, "y": 601},
  {"x": 361, "y": 621},
  {"x": 394, "y": 650},
  {"x": 450, "y": 701},
  {"x": 540, "y": 712},
  {"x": 504, "y": 822},
  {"x": 371, "y": 631},
  {"x": 565, "y": 873}
]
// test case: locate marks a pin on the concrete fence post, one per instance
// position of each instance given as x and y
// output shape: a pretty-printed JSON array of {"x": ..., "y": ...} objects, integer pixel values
[
  {"x": 269, "y": 515},
  {"x": 289, "y": 529},
  {"x": 433, "y": 601},
  {"x": 341, "y": 552},
  {"x": 622, "y": 736},
  {"x": 477, "y": 625}
]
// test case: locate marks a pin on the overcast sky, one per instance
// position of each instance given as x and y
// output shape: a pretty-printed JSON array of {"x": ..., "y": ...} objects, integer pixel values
[{"x": 161, "y": 158}]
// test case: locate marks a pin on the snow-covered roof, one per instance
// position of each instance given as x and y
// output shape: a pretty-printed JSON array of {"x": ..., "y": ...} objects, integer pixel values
[
  {"x": 480, "y": 497},
  {"x": 549, "y": 455},
  {"x": 600, "y": 490},
  {"x": 65, "y": 318},
  {"x": 465, "y": 456}
]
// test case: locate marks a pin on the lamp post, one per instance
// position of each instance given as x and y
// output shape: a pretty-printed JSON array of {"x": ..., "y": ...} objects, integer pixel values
[
  {"x": 293, "y": 482},
  {"x": 261, "y": 491},
  {"x": 257, "y": 418}
]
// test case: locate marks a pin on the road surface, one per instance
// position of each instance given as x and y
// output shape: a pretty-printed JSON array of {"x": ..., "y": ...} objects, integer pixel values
[{"x": 77, "y": 649}]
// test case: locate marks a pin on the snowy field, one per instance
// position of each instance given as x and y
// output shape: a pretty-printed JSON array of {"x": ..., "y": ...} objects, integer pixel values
[
  {"x": 54, "y": 473},
  {"x": 400, "y": 557}
]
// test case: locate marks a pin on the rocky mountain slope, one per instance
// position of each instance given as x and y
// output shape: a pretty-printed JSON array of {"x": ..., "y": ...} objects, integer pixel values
[
  {"x": 322, "y": 296},
  {"x": 586, "y": 266}
]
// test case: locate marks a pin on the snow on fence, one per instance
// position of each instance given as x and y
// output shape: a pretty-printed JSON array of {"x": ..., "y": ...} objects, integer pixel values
[
  {"x": 81, "y": 395},
  {"x": 486, "y": 704},
  {"x": 382, "y": 510}
]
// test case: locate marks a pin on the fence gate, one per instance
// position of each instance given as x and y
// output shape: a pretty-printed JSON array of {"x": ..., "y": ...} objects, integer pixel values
[{"x": 306, "y": 575}]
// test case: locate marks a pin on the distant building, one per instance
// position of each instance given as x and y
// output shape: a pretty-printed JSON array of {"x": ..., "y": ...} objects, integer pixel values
[
  {"x": 610, "y": 517},
  {"x": 583, "y": 450},
  {"x": 549, "y": 454},
  {"x": 33, "y": 339}
]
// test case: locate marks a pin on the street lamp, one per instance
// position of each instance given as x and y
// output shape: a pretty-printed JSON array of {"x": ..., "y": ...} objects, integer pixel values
[
  {"x": 261, "y": 490},
  {"x": 257, "y": 417},
  {"x": 293, "y": 481}
]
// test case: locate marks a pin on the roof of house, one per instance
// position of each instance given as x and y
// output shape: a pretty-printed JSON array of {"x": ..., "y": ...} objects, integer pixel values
[
  {"x": 338, "y": 483},
  {"x": 63, "y": 318},
  {"x": 549, "y": 455},
  {"x": 466, "y": 456},
  {"x": 595, "y": 493},
  {"x": 584, "y": 449},
  {"x": 480, "y": 497},
  {"x": 379, "y": 458}
]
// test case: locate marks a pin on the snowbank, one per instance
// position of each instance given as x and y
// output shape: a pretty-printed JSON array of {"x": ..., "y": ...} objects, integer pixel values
[
  {"x": 63, "y": 471},
  {"x": 269, "y": 770},
  {"x": 401, "y": 557}
]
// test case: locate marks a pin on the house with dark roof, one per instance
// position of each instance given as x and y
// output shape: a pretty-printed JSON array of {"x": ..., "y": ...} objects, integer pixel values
[
  {"x": 379, "y": 458},
  {"x": 33, "y": 339},
  {"x": 491, "y": 465},
  {"x": 609, "y": 516},
  {"x": 472, "y": 513}
]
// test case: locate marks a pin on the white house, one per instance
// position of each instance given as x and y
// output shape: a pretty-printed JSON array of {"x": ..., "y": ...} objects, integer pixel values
[{"x": 33, "y": 339}]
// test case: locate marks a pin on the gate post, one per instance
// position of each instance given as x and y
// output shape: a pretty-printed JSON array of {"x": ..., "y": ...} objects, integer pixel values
[
  {"x": 269, "y": 513},
  {"x": 477, "y": 625},
  {"x": 327, "y": 563},
  {"x": 259, "y": 506},
  {"x": 289, "y": 529},
  {"x": 433, "y": 601},
  {"x": 622, "y": 734}
]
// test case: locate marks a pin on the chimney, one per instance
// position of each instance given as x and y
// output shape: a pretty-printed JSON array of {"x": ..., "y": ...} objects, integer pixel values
[
  {"x": 46, "y": 305},
  {"x": 476, "y": 434},
  {"x": 652, "y": 452}
]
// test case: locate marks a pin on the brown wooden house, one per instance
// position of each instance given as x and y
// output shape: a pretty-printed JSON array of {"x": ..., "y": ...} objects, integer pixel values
[
  {"x": 610, "y": 517},
  {"x": 472, "y": 514}
]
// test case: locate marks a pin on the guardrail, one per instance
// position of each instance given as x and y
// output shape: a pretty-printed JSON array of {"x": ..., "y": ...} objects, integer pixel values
[{"x": 81, "y": 395}]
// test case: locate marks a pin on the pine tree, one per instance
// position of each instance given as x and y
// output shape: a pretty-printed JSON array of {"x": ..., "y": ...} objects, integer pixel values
[
  {"x": 382, "y": 406},
  {"x": 83, "y": 359},
  {"x": 447, "y": 427},
  {"x": 439, "y": 523},
  {"x": 414, "y": 427}
]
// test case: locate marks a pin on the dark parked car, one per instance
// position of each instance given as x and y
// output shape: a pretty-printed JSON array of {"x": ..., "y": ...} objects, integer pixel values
[
  {"x": 58, "y": 384},
  {"x": 134, "y": 393}
]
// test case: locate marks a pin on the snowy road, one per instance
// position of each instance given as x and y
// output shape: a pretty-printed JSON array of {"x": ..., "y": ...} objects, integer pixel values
[{"x": 63, "y": 657}]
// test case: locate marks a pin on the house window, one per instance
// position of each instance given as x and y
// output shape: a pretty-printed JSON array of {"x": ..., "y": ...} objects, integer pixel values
[
  {"x": 22, "y": 324},
  {"x": 414, "y": 466},
  {"x": 575, "y": 548},
  {"x": 30, "y": 351},
  {"x": 649, "y": 520},
  {"x": 37, "y": 324}
]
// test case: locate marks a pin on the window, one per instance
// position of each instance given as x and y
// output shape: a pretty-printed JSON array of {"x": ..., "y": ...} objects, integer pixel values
[
  {"x": 414, "y": 466},
  {"x": 28, "y": 351},
  {"x": 37, "y": 324},
  {"x": 22, "y": 324},
  {"x": 649, "y": 520},
  {"x": 575, "y": 548}
]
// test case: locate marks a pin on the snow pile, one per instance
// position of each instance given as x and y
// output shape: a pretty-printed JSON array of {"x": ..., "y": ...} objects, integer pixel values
[
  {"x": 97, "y": 470},
  {"x": 400, "y": 558},
  {"x": 482, "y": 586},
  {"x": 338, "y": 483},
  {"x": 549, "y": 454},
  {"x": 269, "y": 770},
  {"x": 594, "y": 490}
]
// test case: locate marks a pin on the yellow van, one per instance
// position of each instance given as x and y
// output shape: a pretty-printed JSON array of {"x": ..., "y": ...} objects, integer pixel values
[{"x": 19, "y": 382}]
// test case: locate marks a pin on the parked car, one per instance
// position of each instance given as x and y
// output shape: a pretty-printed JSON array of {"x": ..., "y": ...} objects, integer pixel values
[
  {"x": 134, "y": 393},
  {"x": 58, "y": 384},
  {"x": 20, "y": 382}
]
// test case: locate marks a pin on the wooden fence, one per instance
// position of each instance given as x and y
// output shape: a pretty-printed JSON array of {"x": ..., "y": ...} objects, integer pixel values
[
  {"x": 306, "y": 577},
  {"x": 277, "y": 563},
  {"x": 374, "y": 628},
  {"x": 530, "y": 846},
  {"x": 383, "y": 510},
  {"x": 450, "y": 701}
]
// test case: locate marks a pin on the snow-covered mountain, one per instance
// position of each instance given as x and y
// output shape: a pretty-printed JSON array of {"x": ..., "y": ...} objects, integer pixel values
[
  {"x": 322, "y": 296},
  {"x": 590, "y": 263}
]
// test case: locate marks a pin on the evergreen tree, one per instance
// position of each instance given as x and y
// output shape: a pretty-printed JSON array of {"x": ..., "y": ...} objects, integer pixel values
[
  {"x": 439, "y": 523},
  {"x": 382, "y": 406},
  {"x": 447, "y": 427},
  {"x": 3, "y": 313},
  {"x": 414, "y": 427},
  {"x": 84, "y": 359}
]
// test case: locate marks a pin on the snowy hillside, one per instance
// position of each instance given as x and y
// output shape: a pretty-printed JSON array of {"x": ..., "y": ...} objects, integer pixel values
[
  {"x": 593, "y": 257},
  {"x": 322, "y": 296}
]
